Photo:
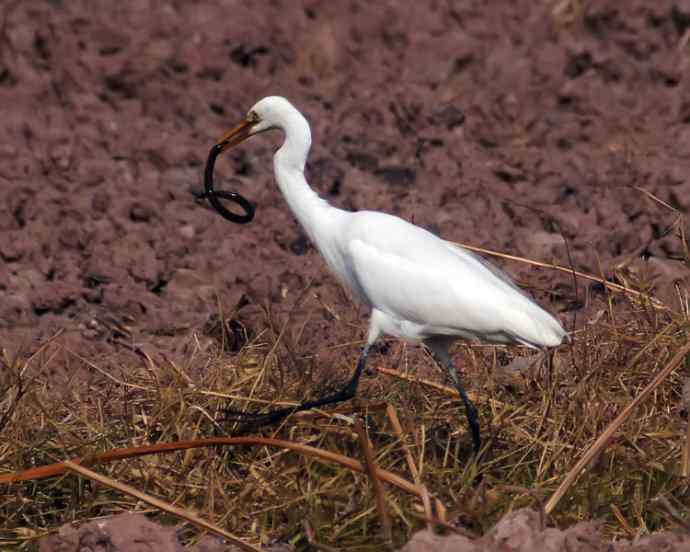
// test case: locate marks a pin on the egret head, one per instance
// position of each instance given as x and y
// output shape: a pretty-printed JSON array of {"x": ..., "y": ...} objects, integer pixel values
[{"x": 272, "y": 112}]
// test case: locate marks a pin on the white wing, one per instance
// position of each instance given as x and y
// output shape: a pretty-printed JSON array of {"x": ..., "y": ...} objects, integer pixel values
[{"x": 414, "y": 276}]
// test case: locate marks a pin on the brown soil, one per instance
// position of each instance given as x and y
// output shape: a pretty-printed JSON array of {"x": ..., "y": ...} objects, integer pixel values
[
  {"x": 577, "y": 131},
  {"x": 520, "y": 531},
  {"x": 526, "y": 531},
  {"x": 109, "y": 113},
  {"x": 130, "y": 533}
]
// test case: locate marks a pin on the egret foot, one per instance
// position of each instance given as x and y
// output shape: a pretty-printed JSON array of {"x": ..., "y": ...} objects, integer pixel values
[{"x": 255, "y": 420}]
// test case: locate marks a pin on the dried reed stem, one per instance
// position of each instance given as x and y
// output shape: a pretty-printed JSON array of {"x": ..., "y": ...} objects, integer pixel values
[
  {"x": 52, "y": 470},
  {"x": 397, "y": 429},
  {"x": 611, "y": 285},
  {"x": 602, "y": 441},
  {"x": 372, "y": 470}
]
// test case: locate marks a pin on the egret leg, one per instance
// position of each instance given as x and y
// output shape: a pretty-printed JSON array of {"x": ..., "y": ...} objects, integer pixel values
[
  {"x": 470, "y": 409},
  {"x": 344, "y": 394},
  {"x": 440, "y": 350}
]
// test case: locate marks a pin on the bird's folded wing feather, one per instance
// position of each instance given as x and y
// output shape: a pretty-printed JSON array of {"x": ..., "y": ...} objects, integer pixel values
[
  {"x": 413, "y": 275},
  {"x": 443, "y": 294}
]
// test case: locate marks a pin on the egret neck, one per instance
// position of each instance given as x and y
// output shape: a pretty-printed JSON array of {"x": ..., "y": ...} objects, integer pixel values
[{"x": 316, "y": 215}]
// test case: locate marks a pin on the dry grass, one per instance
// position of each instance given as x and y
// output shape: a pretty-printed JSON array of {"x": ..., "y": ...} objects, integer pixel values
[{"x": 537, "y": 425}]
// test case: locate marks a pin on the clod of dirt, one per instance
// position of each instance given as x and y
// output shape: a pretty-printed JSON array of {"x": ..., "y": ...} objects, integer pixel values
[
  {"x": 521, "y": 531},
  {"x": 524, "y": 531},
  {"x": 397, "y": 176},
  {"x": 123, "y": 533},
  {"x": 131, "y": 533}
]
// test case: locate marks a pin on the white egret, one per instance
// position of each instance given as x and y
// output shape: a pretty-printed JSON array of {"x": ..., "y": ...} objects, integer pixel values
[{"x": 418, "y": 286}]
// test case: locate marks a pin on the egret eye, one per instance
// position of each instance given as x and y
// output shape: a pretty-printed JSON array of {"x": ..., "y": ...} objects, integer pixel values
[{"x": 253, "y": 117}]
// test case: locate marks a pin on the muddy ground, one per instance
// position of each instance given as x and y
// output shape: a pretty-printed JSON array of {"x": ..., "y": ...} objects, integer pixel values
[
  {"x": 521, "y": 531},
  {"x": 577, "y": 130},
  {"x": 109, "y": 109}
]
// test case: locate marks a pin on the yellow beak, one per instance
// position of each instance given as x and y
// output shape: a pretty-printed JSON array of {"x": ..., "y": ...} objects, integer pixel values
[{"x": 235, "y": 135}]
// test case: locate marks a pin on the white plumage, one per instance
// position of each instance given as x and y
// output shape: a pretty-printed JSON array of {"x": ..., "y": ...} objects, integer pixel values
[{"x": 419, "y": 287}]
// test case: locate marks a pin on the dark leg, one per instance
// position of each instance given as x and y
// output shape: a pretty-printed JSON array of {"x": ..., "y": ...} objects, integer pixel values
[
  {"x": 470, "y": 409},
  {"x": 346, "y": 393},
  {"x": 439, "y": 346}
]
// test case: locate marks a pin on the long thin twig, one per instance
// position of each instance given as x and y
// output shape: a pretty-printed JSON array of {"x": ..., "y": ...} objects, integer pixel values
[
  {"x": 622, "y": 521},
  {"x": 611, "y": 285},
  {"x": 603, "y": 440},
  {"x": 372, "y": 469},
  {"x": 160, "y": 504},
  {"x": 52, "y": 470},
  {"x": 397, "y": 429}
]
